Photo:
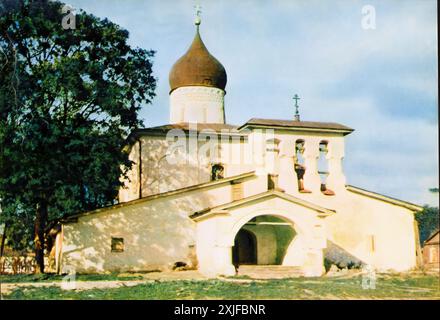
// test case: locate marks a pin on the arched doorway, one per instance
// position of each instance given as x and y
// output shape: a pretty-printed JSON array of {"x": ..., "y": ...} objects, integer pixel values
[
  {"x": 263, "y": 240},
  {"x": 245, "y": 248}
]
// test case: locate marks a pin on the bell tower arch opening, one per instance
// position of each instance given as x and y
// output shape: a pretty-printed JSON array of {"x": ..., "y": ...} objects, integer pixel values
[
  {"x": 323, "y": 168},
  {"x": 299, "y": 165}
]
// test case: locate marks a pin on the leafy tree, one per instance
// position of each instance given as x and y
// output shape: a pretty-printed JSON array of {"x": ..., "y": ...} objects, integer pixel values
[
  {"x": 428, "y": 221},
  {"x": 68, "y": 99}
]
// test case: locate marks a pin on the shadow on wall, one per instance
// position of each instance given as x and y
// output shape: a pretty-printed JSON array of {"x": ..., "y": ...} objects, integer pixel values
[
  {"x": 158, "y": 175},
  {"x": 338, "y": 256},
  {"x": 156, "y": 235}
]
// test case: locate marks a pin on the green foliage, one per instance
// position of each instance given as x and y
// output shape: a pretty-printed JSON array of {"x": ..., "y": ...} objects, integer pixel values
[
  {"x": 428, "y": 221},
  {"x": 68, "y": 99}
]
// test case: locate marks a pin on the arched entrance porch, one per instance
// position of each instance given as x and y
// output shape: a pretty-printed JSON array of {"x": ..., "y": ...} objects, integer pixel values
[{"x": 267, "y": 220}]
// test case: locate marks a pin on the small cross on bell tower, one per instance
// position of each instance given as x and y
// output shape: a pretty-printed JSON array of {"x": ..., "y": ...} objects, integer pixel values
[{"x": 296, "y": 98}]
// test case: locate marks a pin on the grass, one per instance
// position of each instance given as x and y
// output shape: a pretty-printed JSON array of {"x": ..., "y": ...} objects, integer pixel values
[
  {"x": 79, "y": 277},
  {"x": 387, "y": 287}
]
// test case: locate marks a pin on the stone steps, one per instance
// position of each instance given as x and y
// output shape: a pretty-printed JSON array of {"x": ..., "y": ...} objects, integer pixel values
[{"x": 269, "y": 271}]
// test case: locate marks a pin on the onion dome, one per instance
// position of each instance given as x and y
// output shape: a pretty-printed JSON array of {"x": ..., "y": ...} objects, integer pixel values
[{"x": 197, "y": 67}]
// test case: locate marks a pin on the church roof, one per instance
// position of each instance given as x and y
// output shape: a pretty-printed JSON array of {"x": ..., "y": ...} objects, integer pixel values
[
  {"x": 232, "y": 130},
  {"x": 197, "y": 67},
  {"x": 433, "y": 238},
  {"x": 200, "y": 126},
  {"x": 219, "y": 128},
  {"x": 408, "y": 205},
  {"x": 162, "y": 195},
  {"x": 298, "y": 125},
  {"x": 262, "y": 196}
]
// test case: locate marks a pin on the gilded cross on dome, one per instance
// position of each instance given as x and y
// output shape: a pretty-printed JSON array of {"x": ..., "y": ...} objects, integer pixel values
[{"x": 198, "y": 9}]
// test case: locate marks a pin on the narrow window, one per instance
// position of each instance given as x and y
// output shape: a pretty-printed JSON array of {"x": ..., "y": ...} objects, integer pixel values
[
  {"x": 272, "y": 181},
  {"x": 217, "y": 172},
  {"x": 237, "y": 191},
  {"x": 323, "y": 168},
  {"x": 299, "y": 166},
  {"x": 117, "y": 244}
]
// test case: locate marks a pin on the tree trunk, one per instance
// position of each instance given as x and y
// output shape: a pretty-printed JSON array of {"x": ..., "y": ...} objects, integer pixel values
[
  {"x": 2, "y": 246},
  {"x": 39, "y": 227}
]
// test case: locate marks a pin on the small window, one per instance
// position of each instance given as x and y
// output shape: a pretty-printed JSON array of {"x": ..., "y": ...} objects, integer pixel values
[
  {"x": 117, "y": 244},
  {"x": 272, "y": 181},
  {"x": 237, "y": 191},
  {"x": 217, "y": 172}
]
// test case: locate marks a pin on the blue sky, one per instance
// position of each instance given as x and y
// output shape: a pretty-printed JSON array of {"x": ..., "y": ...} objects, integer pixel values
[{"x": 381, "y": 82}]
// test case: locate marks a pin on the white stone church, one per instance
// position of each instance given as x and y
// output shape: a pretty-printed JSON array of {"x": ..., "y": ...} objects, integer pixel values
[{"x": 219, "y": 198}]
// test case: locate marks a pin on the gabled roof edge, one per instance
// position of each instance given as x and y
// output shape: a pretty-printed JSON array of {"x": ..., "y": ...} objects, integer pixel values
[
  {"x": 433, "y": 234},
  {"x": 162, "y": 195},
  {"x": 270, "y": 193},
  {"x": 378, "y": 196}
]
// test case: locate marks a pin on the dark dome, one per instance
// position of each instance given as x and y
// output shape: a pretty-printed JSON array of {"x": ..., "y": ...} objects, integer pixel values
[{"x": 197, "y": 67}]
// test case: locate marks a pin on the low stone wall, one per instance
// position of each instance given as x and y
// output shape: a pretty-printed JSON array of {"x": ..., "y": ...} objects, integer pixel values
[
  {"x": 21, "y": 264},
  {"x": 17, "y": 264}
]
